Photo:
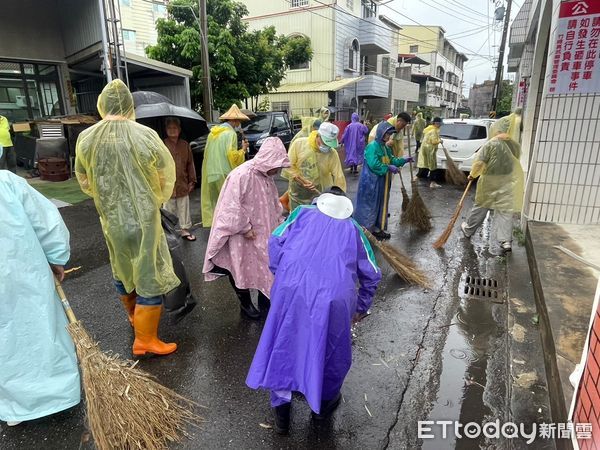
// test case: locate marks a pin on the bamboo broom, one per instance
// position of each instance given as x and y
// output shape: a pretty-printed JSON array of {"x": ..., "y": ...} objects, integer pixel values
[
  {"x": 454, "y": 175},
  {"x": 416, "y": 215},
  {"x": 402, "y": 264},
  {"x": 441, "y": 241},
  {"x": 405, "y": 197},
  {"x": 126, "y": 407}
]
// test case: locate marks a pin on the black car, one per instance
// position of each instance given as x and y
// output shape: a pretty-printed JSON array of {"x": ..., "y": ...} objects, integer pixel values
[{"x": 267, "y": 124}]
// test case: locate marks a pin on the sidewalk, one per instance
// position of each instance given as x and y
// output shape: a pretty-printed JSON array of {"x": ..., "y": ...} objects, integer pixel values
[{"x": 564, "y": 291}]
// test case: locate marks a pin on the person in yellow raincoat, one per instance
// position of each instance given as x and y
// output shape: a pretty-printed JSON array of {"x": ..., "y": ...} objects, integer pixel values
[
  {"x": 501, "y": 183},
  {"x": 417, "y": 130},
  {"x": 315, "y": 166},
  {"x": 309, "y": 124},
  {"x": 127, "y": 170},
  {"x": 399, "y": 122},
  {"x": 427, "y": 160},
  {"x": 221, "y": 156}
]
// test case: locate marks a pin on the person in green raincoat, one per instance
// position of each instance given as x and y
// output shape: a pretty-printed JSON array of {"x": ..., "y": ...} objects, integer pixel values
[
  {"x": 427, "y": 160},
  {"x": 221, "y": 156},
  {"x": 399, "y": 122},
  {"x": 501, "y": 183},
  {"x": 127, "y": 170},
  {"x": 417, "y": 130}
]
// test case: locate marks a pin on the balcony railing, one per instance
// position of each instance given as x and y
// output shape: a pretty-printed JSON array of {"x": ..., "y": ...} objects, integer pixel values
[{"x": 374, "y": 37}]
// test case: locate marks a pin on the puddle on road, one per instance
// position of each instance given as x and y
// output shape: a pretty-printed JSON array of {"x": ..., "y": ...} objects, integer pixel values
[{"x": 476, "y": 335}]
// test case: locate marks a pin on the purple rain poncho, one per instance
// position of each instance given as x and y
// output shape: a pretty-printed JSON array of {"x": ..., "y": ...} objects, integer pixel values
[
  {"x": 354, "y": 142},
  {"x": 306, "y": 345}
]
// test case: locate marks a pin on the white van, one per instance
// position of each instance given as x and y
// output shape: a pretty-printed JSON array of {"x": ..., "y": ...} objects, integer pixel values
[{"x": 462, "y": 138}]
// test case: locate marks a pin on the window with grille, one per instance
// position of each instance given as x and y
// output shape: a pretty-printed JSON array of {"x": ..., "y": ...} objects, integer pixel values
[
  {"x": 280, "y": 106},
  {"x": 414, "y": 49},
  {"x": 298, "y": 3},
  {"x": 385, "y": 66},
  {"x": 128, "y": 35},
  {"x": 353, "y": 55}
]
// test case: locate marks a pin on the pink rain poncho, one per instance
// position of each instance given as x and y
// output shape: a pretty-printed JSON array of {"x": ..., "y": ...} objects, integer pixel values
[{"x": 248, "y": 200}]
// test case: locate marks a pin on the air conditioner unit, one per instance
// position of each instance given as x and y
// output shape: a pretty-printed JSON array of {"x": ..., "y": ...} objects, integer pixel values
[{"x": 22, "y": 102}]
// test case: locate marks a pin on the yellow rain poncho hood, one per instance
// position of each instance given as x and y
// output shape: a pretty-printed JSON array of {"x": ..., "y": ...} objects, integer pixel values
[
  {"x": 128, "y": 171},
  {"x": 501, "y": 183},
  {"x": 324, "y": 170},
  {"x": 307, "y": 128},
  {"x": 221, "y": 156}
]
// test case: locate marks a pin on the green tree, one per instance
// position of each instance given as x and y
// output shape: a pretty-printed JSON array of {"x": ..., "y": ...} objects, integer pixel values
[
  {"x": 505, "y": 98},
  {"x": 243, "y": 64}
]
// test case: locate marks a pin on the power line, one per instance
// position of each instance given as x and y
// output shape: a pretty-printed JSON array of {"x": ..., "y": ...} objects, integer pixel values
[
  {"x": 442, "y": 7},
  {"x": 379, "y": 26}
]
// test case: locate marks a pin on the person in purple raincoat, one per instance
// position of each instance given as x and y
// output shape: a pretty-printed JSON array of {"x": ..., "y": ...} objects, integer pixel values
[
  {"x": 318, "y": 256},
  {"x": 354, "y": 143}
]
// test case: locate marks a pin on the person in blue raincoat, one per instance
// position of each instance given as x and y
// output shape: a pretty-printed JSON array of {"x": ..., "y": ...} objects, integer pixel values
[
  {"x": 38, "y": 364},
  {"x": 325, "y": 278},
  {"x": 375, "y": 182}
]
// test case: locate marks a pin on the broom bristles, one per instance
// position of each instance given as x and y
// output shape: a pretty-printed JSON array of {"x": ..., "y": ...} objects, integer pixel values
[
  {"x": 454, "y": 175},
  {"x": 402, "y": 264},
  {"x": 126, "y": 407},
  {"x": 441, "y": 241},
  {"x": 417, "y": 215},
  {"x": 405, "y": 199}
]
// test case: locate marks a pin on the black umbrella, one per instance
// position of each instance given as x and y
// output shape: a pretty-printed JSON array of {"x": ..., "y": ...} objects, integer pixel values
[
  {"x": 148, "y": 98},
  {"x": 193, "y": 124}
]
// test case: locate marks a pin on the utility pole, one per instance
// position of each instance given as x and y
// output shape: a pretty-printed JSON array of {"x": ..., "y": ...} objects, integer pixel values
[
  {"x": 206, "y": 85},
  {"x": 500, "y": 68}
]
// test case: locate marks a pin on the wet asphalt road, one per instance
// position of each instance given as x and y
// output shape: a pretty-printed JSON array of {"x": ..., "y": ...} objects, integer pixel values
[{"x": 420, "y": 355}]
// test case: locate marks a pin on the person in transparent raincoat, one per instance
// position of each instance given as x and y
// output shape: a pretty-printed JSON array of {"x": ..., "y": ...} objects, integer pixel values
[
  {"x": 127, "y": 170},
  {"x": 315, "y": 166},
  {"x": 501, "y": 183},
  {"x": 38, "y": 365}
]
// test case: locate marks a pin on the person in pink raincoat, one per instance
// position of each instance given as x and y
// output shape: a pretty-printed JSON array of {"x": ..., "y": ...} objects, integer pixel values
[{"x": 247, "y": 211}]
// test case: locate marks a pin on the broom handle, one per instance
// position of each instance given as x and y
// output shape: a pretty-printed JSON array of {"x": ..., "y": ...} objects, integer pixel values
[
  {"x": 410, "y": 155},
  {"x": 462, "y": 199},
  {"x": 401, "y": 180},
  {"x": 65, "y": 303}
]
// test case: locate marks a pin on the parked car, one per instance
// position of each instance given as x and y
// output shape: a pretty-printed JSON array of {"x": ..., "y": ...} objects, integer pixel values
[
  {"x": 463, "y": 138},
  {"x": 267, "y": 124}
]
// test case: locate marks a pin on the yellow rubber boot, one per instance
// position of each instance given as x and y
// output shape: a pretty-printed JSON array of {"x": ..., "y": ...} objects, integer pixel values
[
  {"x": 129, "y": 305},
  {"x": 145, "y": 325}
]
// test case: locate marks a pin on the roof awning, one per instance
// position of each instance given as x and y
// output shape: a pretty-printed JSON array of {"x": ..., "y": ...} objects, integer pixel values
[
  {"x": 426, "y": 77},
  {"x": 319, "y": 86},
  {"x": 411, "y": 59}
]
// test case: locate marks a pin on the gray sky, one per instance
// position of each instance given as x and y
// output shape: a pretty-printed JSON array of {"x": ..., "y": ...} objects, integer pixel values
[{"x": 467, "y": 25}]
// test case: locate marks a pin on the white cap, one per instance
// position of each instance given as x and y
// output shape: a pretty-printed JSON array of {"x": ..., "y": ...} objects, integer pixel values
[
  {"x": 335, "y": 206},
  {"x": 329, "y": 133}
]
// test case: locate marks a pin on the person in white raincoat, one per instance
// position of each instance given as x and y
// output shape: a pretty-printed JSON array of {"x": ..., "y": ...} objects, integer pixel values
[{"x": 38, "y": 365}]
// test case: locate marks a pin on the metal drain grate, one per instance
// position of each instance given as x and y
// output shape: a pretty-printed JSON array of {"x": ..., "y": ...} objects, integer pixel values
[{"x": 483, "y": 288}]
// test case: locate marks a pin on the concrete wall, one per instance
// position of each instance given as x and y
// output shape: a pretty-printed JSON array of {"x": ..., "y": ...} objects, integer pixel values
[
  {"x": 29, "y": 29},
  {"x": 425, "y": 37},
  {"x": 563, "y": 183},
  {"x": 141, "y": 18},
  {"x": 347, "y": 28},
  {"x": 81, "y": 27}
]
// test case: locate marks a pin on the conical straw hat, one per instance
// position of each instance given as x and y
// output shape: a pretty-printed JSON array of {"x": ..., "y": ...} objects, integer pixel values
[{"x": 234, "y": 113}]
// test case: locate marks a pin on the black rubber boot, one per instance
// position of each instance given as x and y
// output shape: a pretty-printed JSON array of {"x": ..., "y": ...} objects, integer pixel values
[
  {"x": 328, "y": 407},
  {"x": 247, "y": 308},
  {"x": 282, "y": 418},
  {"x": 264, "y": 304}
]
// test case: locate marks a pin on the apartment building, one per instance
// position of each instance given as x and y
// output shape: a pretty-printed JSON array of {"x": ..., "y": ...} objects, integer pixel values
[
  {"x": 138, "y": 21},
  {"x": 435, "y": 65},
  {"x": 480, "y": 98},
  {"x": 354, "y": 57}
]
